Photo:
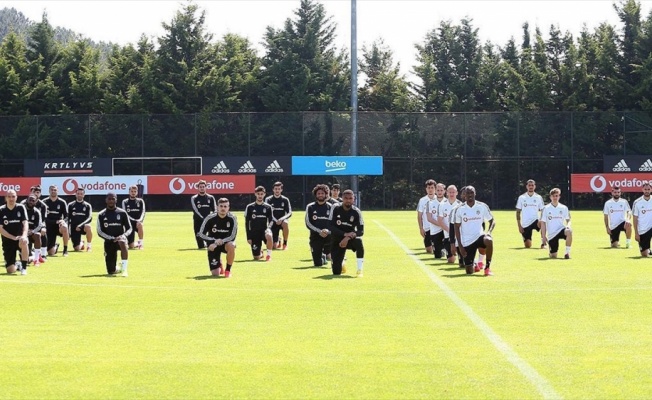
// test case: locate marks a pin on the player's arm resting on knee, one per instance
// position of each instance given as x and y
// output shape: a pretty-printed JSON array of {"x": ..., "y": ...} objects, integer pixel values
[
  {"x": 492, "y": 225},
  {"x": 518, "y": 220},
  {"x": 544, "y": 228}
]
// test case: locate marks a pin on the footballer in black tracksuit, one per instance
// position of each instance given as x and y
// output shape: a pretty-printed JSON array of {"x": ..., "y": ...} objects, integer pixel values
[
  {"x": 80, "y": 214},
  {"x": 342, "y": 221},
  {"x": 111, "y": 224},
  {"x": 258, "y": 219},
  {"x": 216, "y": 227},
  {"x": 202, "y": 205},
  {"x": 317, "y": 222},
  {"x": 135, "y": 208},
  {"x": 57, "y": 211},
  {"x": 282, "y": 211},
  {"x": 13, "y": 221}
]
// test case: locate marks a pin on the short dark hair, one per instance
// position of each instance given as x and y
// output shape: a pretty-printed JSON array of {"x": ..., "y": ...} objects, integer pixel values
[
  {"x": 347, "y": 191},
  {"x": 201, "y": 182},
  {"x": 530, "y": 181},
  {"x": 336, "y": 186},
  {"x": 35, "y": 188},
  {"x": 222, "y": 200},
  {"x": 277, "y": 183},
  {"x": 615, "y": 187},
  {"x": 431, "y": 182},
  {"x": 259, "y": 189}
]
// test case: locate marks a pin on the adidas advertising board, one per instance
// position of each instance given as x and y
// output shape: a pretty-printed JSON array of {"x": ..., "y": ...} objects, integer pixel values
[
  {"x": 638, "y": 163},
  {"x": 602, "y": 183},
  {"x": 247, "y": 165}
]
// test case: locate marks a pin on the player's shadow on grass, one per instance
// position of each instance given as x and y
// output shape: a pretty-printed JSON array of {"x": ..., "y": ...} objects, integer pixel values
[
  {"x": 308, "y": 267},
  {"x": 463, "y": 274},
  {"x": 189, "y": 249},
  {"x": 99, "y": 276},
  {"x": 452, "y": 268},
  {"x": 205, "y": 277},
  {"x": 331, "y": 277}
]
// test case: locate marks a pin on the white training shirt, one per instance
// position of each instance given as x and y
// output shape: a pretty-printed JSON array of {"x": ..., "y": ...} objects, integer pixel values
[
  {"x": 444, "y": 211},
  {"x": 421, "y": 207},
  {"x": 530, "y": 207},
  {"x": 433, "y": 206},
  {"x": 555, "y": 219},
  {"x": 618, "y": 211},
  {"x": 470, "y": 220},
  {"x": 642, "y": 209}
]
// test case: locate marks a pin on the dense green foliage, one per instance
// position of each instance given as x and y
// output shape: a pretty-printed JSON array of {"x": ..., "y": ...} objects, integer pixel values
[
  {"x": 540, "y": 107},
  {"x": 186, "y": 70}
]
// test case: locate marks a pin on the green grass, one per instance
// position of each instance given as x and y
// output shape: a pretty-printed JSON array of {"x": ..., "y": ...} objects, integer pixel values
[{"x": 287, "y": 330}]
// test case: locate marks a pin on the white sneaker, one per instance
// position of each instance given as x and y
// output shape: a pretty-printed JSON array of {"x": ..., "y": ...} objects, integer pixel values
[
  {"x": 124, "y": 273},
  {"x": 23, "y": 271}
]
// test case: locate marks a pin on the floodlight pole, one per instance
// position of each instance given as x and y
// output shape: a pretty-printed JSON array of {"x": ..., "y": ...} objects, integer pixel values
[{"x": 354, "y": 93}]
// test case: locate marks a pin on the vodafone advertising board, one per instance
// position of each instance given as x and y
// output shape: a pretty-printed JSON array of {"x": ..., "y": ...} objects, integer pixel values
[
  {"x": 20, "y": 185},
  {"x": 187, "y": 184},
  {"x": 602, "y": 183},
  {"x": 93, "y": 184}
]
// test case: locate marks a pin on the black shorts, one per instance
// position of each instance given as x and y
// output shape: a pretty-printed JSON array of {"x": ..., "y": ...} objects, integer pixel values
[
  {"x": 52, "y": 230},
  {"x": 527, "y": 230},
  {"x": 644, "y": 243},
  {"x": 615, "y": 232},
  {"x": 257, "y": 238},
  {"x": 9, "y": 249},
  {"x": 214, "y": 257},
  {"x": 473, "y": 247},
  {"x": 75, "y": 236},
  {"x": 427, "y": 239},
  {"x": 553, "y": 243}
]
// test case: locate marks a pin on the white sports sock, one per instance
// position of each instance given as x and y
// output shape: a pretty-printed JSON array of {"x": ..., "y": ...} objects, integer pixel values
[
  {"x": 568, "y": 249},
  {"x": 360, "y": 262},
  {"x": 37, "y": 254},
  {"x": 269, "y": 252},
  {"x": 124, "y": 265},
  {"x": 480, "y": 257}
]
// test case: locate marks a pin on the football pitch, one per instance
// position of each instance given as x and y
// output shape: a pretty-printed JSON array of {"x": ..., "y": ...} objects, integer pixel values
[{"x": 412, "y": 327}]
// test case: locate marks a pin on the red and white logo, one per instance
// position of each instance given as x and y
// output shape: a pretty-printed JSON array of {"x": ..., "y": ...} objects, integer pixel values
[
  {"x": 177, "y": 185},
  {"x": 187, "y": 184},
  {"x": 599, "y": 183},
  {"x": 93, "y": 185},
  {"x": 20, "y": 185}
]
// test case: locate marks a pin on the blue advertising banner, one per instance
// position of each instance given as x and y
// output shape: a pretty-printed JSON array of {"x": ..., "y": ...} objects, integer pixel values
[{"x": 337, "y": 165}]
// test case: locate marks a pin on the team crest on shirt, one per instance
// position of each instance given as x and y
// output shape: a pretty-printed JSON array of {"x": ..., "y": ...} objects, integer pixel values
[
  {"x": 351, "y": 219},
  {"x": 477, "y": 212},
  {"x": 18, "y": 214},
  {"x": 118, "y": 217},
  {"x": 228, "y": 224}
]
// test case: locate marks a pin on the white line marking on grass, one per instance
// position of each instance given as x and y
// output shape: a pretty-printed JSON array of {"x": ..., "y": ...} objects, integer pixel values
[{"x": 542, "y": 385}]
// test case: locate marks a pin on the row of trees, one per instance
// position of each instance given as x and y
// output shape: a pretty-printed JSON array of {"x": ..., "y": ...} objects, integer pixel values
[{"x": 188, "y": 71}]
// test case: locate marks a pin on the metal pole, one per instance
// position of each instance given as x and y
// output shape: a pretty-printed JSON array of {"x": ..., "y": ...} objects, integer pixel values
[{"x": 354, "y": 92}]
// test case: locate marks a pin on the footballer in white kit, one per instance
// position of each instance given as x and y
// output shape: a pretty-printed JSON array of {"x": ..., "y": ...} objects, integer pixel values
[
  {"x": 444, "y": 211},
  {"x": 616, "y": 218},
  {"x": 422, "y": 217},
  {"x": 528, "y": 209},
  {"x": 642, "y": 212},
  {"x": 469, "y": 218},
  {"x": 436, "y": 231},
  {"x": 555, "y": 224}
]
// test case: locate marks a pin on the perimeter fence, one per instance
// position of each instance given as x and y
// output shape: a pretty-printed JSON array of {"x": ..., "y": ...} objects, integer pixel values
[{"x": 495, "y": 152}]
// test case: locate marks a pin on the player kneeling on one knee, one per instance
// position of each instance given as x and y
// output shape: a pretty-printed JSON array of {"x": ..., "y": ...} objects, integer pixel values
[
  {"x": 219, "y": 231},
  {"x": 555, "y": 224}
]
